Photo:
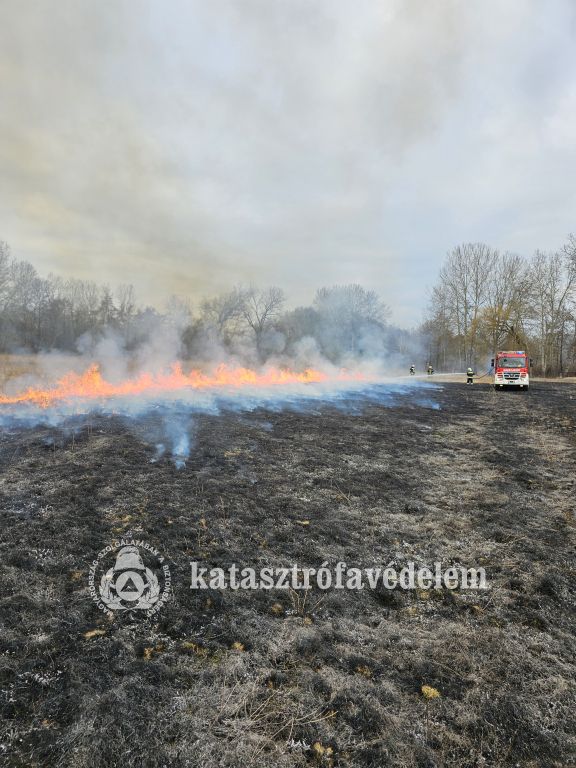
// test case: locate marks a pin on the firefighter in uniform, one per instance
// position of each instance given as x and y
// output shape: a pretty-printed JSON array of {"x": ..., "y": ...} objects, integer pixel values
[
  {"x": 430, "y": 369},
  {"x": 469, "y": 375},
  {"x": 412, "y": 370}
]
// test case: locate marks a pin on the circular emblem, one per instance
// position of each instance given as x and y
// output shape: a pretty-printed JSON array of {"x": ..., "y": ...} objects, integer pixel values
[{"x": 129, "y": 575}]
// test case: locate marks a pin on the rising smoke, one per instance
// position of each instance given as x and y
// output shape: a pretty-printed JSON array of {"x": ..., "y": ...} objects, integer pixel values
[
  {"x": 258, "y": 140},
  {"x": 159, "y": 397}
]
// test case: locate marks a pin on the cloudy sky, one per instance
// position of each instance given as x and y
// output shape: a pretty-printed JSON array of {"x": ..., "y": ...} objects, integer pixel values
[{"x": 189, "y": 145}]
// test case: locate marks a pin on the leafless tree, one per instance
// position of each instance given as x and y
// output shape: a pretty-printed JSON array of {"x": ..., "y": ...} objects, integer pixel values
[
  {"x": 223, "y": 315},
  {"x": 485, "y": 300},
  {"x": 260, "y": 310},
  {"x": 351, "y": 320},
  {"x": 503, "y": 318},
  {"x": 5, "y": 261},
  {"x": 465, "y": 276},
  {"x": 125, "y": 301},
  {"x": 553, "y": 282}
]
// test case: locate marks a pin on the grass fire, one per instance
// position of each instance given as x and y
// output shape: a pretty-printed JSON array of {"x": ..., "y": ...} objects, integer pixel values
[
  {"x": 384, "y": 473},
  {"x": 287, "y": 384},
  {"x": 92, "y": 386}
]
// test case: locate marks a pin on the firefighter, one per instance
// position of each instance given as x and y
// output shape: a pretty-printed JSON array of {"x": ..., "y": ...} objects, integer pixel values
[
  {"x": 430, "y": 370},
  {"x": 412, "y": 370},
  {"x": 470, "y": 375}
]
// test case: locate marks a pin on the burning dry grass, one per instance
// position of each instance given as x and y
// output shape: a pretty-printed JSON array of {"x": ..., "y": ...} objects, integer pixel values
[
  {"x": 270, "y": 679},
  {"x": 92, "y": 385}
]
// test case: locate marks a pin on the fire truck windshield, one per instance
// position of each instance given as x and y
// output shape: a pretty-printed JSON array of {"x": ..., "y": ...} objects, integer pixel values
[{"x": 511, "y": 362}]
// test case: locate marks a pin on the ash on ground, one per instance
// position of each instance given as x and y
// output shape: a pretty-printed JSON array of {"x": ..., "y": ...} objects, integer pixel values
[{"x": 270, "y": 678}]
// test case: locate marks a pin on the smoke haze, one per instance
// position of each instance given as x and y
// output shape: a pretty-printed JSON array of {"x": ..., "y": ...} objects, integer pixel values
[{"x": 186, "y": 147}]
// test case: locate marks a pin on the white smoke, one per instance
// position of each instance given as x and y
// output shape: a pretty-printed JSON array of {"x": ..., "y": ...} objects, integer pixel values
[{"x": 166, "y": 419}]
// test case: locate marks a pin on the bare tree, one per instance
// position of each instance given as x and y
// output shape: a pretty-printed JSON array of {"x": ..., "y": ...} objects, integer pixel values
[
  {"x": 553, "y": 281},
  {"x": 352, "y": 320},
  {"x": 5, "y": 261},
  {"x": 439, "y": 327},
  {"x": 261, "y": 309},
  {"x": 569, "y": 251},
  {"x": 465, "y": 276},
  {"x": 508, "y": 295},
  {"x": 223, "y": 315},
  {"x": 125, "y": 301}
]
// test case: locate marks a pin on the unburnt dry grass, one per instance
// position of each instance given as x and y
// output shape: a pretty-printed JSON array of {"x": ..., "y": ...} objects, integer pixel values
[{"x": 282, "y": 679}]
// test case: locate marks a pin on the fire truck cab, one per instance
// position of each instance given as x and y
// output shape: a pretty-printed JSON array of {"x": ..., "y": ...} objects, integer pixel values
[{"x": 511, "y": 369}]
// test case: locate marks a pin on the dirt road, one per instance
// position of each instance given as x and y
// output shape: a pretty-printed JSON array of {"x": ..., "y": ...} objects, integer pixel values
[{"x": 220, "y": 678}]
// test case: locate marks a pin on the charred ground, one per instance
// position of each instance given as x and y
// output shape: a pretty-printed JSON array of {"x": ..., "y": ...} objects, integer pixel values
[{"x": 268, "y": 678}]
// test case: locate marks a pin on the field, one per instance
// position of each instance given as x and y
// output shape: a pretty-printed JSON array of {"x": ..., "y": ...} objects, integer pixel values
[{"x": 258, "y": 678}]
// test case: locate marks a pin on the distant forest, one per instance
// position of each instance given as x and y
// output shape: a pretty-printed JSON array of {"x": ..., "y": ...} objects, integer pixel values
[
  {"x": 483, "y": 300},
  {"x": 344, "y": 323}
]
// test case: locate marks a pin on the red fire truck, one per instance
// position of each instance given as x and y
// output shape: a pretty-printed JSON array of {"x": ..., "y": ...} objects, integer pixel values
[{"x": 511, "y": 369}]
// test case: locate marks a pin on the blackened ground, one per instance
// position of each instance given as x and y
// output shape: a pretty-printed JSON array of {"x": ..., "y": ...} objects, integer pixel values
[{"x": 268, "y": 679}]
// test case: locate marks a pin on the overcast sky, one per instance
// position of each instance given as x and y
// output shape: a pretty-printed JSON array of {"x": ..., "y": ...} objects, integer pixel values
[{"x": 189, "y": 145}]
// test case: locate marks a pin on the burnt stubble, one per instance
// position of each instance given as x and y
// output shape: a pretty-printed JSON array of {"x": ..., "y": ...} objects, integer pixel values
[{"x": 267, "y": 678}]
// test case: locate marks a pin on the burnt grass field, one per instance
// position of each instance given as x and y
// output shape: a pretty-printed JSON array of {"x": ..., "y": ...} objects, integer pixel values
[{"x": 259, "y": 678}]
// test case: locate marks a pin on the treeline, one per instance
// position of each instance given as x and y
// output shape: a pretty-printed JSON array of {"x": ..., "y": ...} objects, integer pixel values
[
  {"x": 343, "y": 323},
  {"x": 39, "y": 313},
  {"x": 485, "y": 300}
]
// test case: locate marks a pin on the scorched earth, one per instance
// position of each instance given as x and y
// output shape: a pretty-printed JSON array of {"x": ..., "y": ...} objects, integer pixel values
[{"x": 403, "y": 678}]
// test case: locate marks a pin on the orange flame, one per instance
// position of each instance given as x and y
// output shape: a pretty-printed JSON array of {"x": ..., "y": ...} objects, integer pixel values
[{"x": 91, "y": 384}]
